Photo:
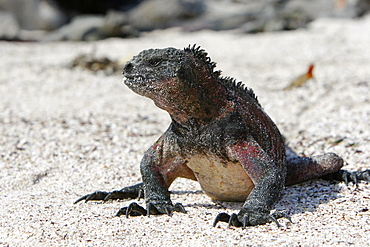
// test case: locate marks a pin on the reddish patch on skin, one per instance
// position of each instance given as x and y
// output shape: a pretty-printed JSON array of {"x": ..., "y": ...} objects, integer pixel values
[
  {"x": 167, "y": 166},
  {"x": 251, "y": 157},
  {"x": 176, "y": 167}
]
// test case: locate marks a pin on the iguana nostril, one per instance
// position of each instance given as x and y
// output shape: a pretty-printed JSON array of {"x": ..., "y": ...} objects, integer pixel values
[{"x": 128, "y": 68}]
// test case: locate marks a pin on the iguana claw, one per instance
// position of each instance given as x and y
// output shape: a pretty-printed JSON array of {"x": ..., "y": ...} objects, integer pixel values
[
  {"x": 347, "y": 176},
  {"x": 259, "y": 219},
  {"x": 135, "y": 209},
  {"x": 355, "y": 176},
  {"x": 95, "y": 196}
]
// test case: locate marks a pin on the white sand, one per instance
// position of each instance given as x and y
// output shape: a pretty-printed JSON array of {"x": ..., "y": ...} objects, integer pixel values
[{"x": 65, "y": 133}]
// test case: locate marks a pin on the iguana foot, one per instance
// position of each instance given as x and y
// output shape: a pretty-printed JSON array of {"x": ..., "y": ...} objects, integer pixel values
[
  {"x": 135, "y": 191},
  {"x": 347, "y": 176},
  {"x": 135, "y": 209},
  {"x": 244, "y": 219},
  {"x": 354, "y": 177}
]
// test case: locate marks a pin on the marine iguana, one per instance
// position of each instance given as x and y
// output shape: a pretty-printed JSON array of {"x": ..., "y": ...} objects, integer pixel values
[{"x": 219, "y": 136}]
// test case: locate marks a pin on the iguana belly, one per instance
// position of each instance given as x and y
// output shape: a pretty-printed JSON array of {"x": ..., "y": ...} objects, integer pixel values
[{"x": 219, "y": 179}]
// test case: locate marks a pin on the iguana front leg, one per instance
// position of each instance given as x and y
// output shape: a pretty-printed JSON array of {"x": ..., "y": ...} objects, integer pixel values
[
  {"x": 268, "y": 177},
  {"x": 159, "y": 168}
]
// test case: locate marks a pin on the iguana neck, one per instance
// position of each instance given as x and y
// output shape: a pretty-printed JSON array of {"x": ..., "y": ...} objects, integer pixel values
[{"x": 196, "y": 103}]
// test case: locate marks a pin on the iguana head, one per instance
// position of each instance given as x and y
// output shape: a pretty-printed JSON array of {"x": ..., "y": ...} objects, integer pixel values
[
  {"x": 181, "y": 82},
  {"x": 153, "y": 71}
]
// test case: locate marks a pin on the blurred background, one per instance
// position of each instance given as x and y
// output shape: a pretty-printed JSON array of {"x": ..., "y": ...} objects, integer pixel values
[{"x": 86, "y": 20}]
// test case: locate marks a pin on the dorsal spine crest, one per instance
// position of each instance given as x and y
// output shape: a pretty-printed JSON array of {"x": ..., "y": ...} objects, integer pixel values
[{"x": 227, "y": 81}]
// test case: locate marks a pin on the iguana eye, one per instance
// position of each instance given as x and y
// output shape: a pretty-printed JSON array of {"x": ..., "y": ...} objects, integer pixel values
[{"x": 155, "y": 61}]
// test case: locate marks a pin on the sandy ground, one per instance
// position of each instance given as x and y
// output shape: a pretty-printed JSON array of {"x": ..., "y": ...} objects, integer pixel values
[{"x": 67, "y": 132}]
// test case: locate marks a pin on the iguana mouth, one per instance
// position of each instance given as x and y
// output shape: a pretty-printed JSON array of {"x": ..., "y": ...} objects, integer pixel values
[
  {"x": 138, "y": 83},
  {"x": 135, "y": 80},
  {"x": 133, "y": 77}
]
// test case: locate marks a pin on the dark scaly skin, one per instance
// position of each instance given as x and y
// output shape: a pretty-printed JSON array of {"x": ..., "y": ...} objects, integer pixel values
[{"x": 219, "y": 136}]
